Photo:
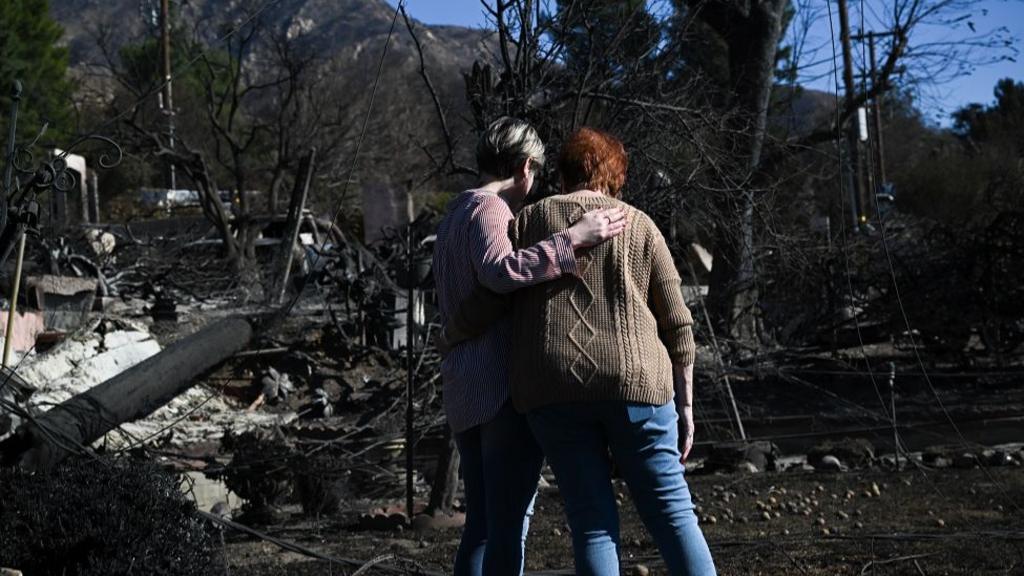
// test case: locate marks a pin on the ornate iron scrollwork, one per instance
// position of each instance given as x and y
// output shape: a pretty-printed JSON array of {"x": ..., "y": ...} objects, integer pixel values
[{"x": 25, "y": 177}]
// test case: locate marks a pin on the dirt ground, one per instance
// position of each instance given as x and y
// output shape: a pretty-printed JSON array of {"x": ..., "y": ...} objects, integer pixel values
[{"x": 954, "y": 521}]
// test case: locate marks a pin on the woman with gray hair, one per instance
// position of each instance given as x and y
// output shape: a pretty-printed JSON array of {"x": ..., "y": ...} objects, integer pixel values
[{"x": 500, "y": 461}]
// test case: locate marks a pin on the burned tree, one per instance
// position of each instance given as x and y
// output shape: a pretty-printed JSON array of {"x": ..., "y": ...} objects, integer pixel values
[{"x": 247, "y": 109}]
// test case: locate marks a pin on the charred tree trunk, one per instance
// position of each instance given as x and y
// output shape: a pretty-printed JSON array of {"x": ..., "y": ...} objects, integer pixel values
[
  {"x": 751, "y": 32},
  {"x": 295, "y": 209},
  {"x": 446, "y": 479}
]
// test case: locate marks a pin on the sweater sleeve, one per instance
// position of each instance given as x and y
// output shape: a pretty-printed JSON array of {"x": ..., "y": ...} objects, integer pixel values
[
  {"x": 675, "y": 323},
  {"x": 502, "y": 269}
]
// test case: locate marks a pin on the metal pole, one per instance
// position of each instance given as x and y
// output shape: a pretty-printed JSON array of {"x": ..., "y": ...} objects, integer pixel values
[
  {"x": 9, "y": 333},
  {"x": 852, "y": 140},
  {"x": 721, "y": 362},
  {"x": 892, "y": 409},
  {"x": 410, "y": 338}
]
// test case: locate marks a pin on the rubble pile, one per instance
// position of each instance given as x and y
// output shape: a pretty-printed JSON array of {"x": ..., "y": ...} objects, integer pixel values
[{"x": 104, "y": 348}]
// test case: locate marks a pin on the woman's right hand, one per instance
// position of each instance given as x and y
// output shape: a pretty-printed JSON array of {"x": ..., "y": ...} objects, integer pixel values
[
  {"x": 685, "y": 431},
  {"x": 597, "y": 226}
]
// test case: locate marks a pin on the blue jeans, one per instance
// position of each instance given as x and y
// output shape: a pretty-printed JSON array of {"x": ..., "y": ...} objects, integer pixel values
[
  {"x": 500, "y": 463},
  {"x": 644, "y": 443}
]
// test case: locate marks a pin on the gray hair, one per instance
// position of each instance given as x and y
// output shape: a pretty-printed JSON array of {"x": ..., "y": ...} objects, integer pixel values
[{"x": 506, "y": 144}]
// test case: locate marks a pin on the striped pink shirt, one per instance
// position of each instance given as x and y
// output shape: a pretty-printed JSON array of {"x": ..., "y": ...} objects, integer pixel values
[{"x": 473, "y": 248}]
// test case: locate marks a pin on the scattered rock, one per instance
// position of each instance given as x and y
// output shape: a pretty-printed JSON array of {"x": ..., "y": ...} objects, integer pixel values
[
  {"x": 438, "y": 521},
  {"x": 750, "y": 457},
  {"x": 996, "y": 458},
  {"x": 852, "y": 452},
  {"x": 965, "y": 460},
  {"x": 829, "y": 463}
]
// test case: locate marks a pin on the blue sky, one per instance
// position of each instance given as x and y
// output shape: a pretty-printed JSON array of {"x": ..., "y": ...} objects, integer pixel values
[{"x": 938, "y": 100}]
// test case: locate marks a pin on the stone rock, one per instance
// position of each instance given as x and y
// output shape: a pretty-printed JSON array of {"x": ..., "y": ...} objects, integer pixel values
[
  {"x": 830, "y": 463},
  {"x": 748, "y": 467},
  {"x": 965, "y": 460},
  {"x": 438, "y": 521},
  {"x": 996, "y": 458},
  {"x": 853, "y": 452},
  {"x": 742, "y": 457}
]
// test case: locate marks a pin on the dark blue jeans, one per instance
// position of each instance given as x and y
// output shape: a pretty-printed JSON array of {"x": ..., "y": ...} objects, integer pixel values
[
  {"x": 500, "y": 463},
  {"x": 644, "y": 443}
]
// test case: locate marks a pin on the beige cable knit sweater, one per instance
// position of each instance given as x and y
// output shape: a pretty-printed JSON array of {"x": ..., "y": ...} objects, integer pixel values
[
  {"x": 611, "y": 333},
  {"x": 614, "y": 332}
]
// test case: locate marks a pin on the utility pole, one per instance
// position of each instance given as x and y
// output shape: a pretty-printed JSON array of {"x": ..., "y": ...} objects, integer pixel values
[
  {"x": 852, "y": 136},
  {"x": 876, "y": 111},
  {"x": 878, "y": 148},
  {"x": 167, "y": 101}
]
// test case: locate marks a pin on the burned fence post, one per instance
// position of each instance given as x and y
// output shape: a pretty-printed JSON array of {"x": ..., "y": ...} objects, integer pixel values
[
  {"x": 446, "y": 477},
  {"x": 94, "y": 198},
  {"x": 295, "y": 208},
  {"x": 131, "y": 395},
  {"x": 410, "y": 339}
]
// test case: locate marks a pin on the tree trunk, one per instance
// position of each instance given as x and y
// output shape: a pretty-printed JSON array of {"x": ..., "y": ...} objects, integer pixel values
[
  {"x": 446, "y": 479},
  {"x": 753, "y": 40}
]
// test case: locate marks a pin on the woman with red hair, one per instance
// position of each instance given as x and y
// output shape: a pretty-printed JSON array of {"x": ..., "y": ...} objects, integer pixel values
[{"x": 602, "y": 361}]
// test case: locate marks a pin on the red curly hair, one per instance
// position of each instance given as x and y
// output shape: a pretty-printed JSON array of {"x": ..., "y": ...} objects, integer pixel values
[{"x": 593, "y": 160}]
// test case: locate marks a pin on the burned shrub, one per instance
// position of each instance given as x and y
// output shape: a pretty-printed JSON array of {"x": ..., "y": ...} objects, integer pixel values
[
  {"x": 109, "y": 516},
  {"x": 321, "y": 482},
  {"x": 260, "y": 472}
]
